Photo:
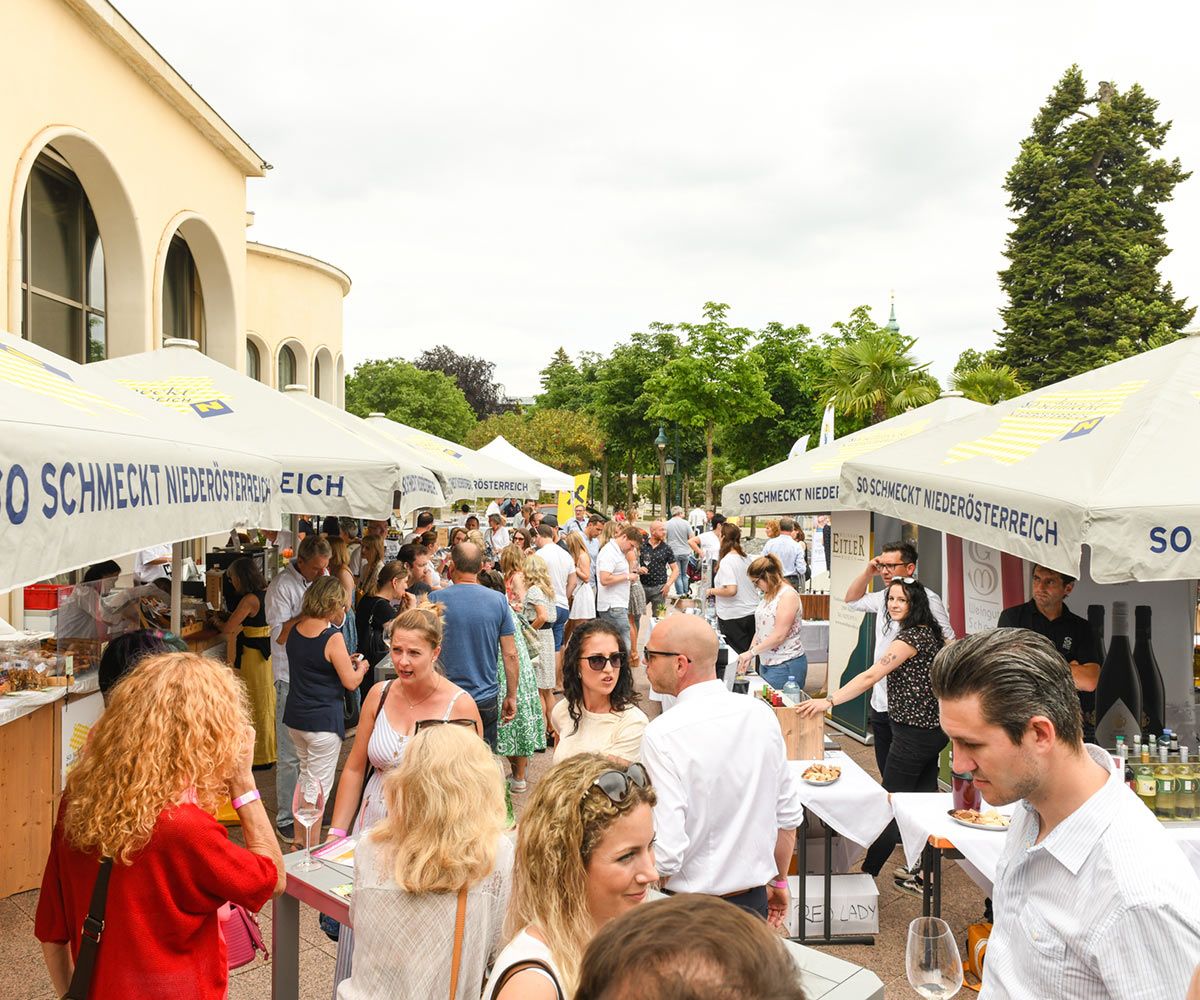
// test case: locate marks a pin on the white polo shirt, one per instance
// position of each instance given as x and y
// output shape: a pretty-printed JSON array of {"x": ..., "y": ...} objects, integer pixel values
[
  {"x": 616, "y": 595},
  {"x": 561, "y": 565}
]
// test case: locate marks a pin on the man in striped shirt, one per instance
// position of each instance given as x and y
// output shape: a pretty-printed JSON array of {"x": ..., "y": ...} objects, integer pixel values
[{"x": 1092, "y": 899}]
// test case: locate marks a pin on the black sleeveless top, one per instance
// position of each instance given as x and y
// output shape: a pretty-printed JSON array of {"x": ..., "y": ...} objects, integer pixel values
[{"x": 315, "y": 702}]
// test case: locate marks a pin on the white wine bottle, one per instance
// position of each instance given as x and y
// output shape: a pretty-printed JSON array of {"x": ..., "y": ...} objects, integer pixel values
[
  {"x": 1118, "y": 693},
  {"x": 1164, "y": 787},
  {"x": 1185, "y": 787}
]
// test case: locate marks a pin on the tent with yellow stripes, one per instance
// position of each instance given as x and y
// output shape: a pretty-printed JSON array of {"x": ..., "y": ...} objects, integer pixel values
[{"x": 1106, "y": 459}]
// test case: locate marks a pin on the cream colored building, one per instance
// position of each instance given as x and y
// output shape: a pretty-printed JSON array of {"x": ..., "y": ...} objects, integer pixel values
[{"x": 123, "y": 217}]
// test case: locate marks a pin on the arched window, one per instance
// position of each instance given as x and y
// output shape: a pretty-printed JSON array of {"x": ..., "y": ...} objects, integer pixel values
[
  {"x": 253, "y": 361},
  {"x": 62, "y": 276},
  {"x": 183, "y": 298},
  {"x": 287, "y": 367},
  {"x": 317, "y": 377}
]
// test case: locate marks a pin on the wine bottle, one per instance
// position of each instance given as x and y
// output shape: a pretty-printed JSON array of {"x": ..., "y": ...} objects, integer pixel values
[
  {"x": 1154, "y": 702},
  {"x": 1146, "y": 786},
  {"x": 1164, "y": 787},
  {"x": 1118, "y": 693},
  {"x": 1185, "y": 787},
  {"x": 1095, "y": 617}
]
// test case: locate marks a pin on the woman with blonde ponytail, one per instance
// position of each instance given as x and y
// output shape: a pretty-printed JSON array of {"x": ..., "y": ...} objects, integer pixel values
[{"x": 585, "y": 854}]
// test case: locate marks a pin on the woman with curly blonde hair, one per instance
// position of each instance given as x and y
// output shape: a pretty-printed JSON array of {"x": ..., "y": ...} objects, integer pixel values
[
  {"x": 585, "y": 854},
  {"x": 174, "y": 742},
  {"x": 441, "y": 846}
]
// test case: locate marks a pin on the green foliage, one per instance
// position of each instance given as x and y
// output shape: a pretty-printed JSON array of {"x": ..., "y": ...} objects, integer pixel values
[
  {"x": 427, "y": 400},
  {"x": 1082, "y": 282},
  {"x": 567, "y": 386},
  {"x": 564, "y": 439},
  {"x": 988, "y": 383},
  {"x": 712, "y": 382},
  {"x": 476, "y": 377},
  {"x": 872, "y": 370},
  {"x": 970, "y": 359}
]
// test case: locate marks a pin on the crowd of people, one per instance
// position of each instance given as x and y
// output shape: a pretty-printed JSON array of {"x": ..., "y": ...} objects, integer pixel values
[{"x": 454, "y": 664}]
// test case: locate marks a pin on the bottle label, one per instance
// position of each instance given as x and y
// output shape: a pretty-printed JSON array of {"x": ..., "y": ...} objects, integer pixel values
[
  {"x": 1187, "y": 785},
  {"x": 1117, "y": 720},
  {"x": 1166, "y": 786},
  {"x": 1145, "y": 784}
]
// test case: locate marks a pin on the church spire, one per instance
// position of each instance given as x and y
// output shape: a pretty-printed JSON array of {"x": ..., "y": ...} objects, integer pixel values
[{"x": 892, "y": 325}]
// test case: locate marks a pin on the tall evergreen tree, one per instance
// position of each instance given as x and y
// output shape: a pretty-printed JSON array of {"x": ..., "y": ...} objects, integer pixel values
[{"x": 1082, "y": 283}]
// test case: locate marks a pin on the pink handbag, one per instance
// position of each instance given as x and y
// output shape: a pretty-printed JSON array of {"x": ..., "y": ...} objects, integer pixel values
[{"x": 243, "y": 939}]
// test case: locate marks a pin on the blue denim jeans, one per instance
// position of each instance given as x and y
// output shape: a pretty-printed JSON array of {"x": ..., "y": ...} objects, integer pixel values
[
  {"x": 777, "y": 674},
  {"x": 619, "y": 619},
  {"x": 681, "y": 581}
]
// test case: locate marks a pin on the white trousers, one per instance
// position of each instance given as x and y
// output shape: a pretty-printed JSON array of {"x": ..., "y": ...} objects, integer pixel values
[{"x": 318, "y": 757}]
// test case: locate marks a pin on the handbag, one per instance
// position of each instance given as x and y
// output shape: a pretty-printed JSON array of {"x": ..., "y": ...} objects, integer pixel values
[
  {"x": 243, "y": 939},
  {"x": 460, "y": 923},
  {"x": 89, "y": 939},
  {"x": 533, "y": 644},
  {"x": 528, "y": 963}
]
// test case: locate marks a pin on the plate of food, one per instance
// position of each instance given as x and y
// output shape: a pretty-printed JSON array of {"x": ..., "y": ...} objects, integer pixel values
[
  {"x": 821, "y": 774},
  {"x": 989, "y": 819}
]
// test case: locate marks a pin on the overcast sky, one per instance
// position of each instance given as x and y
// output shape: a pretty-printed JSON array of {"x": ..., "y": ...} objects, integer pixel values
[{"x": 508, "y": 177}]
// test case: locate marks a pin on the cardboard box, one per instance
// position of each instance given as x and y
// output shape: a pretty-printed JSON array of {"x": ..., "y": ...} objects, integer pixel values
[{"x": 854, "y": 904}]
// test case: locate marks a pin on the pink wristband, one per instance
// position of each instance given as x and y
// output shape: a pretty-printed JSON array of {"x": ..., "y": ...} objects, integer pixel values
[
  {"x": 245, "y": 800},
  {"x": 336, "y": 831},
  {"x": 779, "y": 883}
]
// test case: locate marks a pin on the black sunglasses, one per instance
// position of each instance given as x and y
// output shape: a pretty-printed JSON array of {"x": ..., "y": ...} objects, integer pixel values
[
  {"x": 598, "y": 661},
  {"x": 428, "y": 723},
  {"x": 618, "y": 784}
]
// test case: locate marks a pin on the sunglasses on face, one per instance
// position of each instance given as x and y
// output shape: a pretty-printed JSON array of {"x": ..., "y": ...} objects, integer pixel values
[
  {"x": 598, "y": 661},
  {"x": 428, "y": 723},
  {"x": 618, "y": 784}
]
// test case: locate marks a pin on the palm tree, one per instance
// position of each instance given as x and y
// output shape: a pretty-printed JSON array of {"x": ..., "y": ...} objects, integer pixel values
[
  {"x": 988, "y": 383},
  {"x": 875, "y": 374}
]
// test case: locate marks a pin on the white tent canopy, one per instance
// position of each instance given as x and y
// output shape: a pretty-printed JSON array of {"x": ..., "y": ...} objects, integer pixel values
[
  {"x": 90, "y": 470},
  {"x": 1106, "y": 459},
  {"x": 419, "y": 485},
  {"x": 551, "y": 479},
  {"x": 326, "y": 469},
  {"x": 808, "y": 483},
  {"x": 468, "y": 474}
]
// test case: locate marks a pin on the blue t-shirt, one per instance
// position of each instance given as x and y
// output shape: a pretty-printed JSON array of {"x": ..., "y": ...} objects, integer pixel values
[{"x": 475, "y": 619}]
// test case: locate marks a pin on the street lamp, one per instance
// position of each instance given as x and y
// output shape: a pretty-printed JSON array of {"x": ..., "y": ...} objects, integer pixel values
[{"x": 660, "y": 443}]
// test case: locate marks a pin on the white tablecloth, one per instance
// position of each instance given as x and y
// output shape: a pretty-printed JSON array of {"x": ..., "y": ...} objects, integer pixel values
[
  {"x": 921, "y": 815},
  {"x": 21, "y": 703},
  {"x": 855, "y": 805}
]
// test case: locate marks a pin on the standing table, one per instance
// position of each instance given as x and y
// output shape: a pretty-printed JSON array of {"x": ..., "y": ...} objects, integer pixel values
[{"x": 316, "y": 889}]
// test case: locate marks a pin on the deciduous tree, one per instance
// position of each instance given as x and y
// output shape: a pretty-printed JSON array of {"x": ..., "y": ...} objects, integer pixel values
[
  {"x": 427, "y": 400},
  {"x": 563, "y": 439},
  {"x": 476, "y": 377}
]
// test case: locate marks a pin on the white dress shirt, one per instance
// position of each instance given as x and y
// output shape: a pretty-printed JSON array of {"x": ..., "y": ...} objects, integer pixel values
[
  {"x": 786, "y": 549},
  {"x": 1106, "y": 906},
  {"x": 725, "y": 790},
  {"x": 710, "y": 545},
  {"x": 697, "y": 519},
  {"x": 560, "y": 564},
  {"x": 144, "y": 573},
  {"x": 886, "y": 629},
  {"x": 283, "y": 600},
  {"x": 614, "y": 596}
]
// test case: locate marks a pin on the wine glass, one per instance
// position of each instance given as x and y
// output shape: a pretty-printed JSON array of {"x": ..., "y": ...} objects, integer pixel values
[
  {"x": 308, "y": 806},
  {"x": 931, "y": 959}
]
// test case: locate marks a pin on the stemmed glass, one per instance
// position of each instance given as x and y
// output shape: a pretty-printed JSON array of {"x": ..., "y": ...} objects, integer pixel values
[
  {"x": 308, "y": 806},
  {"x": 931, "y": 959}
]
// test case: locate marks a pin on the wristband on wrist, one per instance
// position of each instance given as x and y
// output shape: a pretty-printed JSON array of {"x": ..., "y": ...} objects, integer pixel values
[
  {"x": 779, "y": 883},
  {"x": 336, "y": 831},
  {"x": 244, "y": 800}
]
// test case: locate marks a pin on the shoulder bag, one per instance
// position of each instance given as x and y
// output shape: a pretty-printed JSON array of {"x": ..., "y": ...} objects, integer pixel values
[
  {"x": 528, "y": 963},
  {"x": 460, "y": 923},
  {"x": 89, "y": 941}
]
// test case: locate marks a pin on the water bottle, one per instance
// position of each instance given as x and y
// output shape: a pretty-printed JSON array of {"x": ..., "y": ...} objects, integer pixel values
[{"x": 791, "y": 691}]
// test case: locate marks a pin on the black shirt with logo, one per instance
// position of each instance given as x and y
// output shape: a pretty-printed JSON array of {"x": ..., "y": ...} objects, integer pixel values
[{"x": 1071, "y": 636}]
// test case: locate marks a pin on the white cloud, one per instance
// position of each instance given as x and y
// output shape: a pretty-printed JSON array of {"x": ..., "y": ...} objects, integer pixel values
[{"x": 505, "y": 178}]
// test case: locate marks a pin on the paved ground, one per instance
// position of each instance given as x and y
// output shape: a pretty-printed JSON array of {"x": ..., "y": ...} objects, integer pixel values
[{"x": 23, "y": 975}]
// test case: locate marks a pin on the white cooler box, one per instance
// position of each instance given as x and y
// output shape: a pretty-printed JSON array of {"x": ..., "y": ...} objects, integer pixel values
[{"x": 854, "y": 903}]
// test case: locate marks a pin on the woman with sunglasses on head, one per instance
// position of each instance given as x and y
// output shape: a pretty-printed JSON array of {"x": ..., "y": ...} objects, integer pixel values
[
  {"x": 599, "y": 713},
  {"x": 917, "y": 737},
  {"x": 440, "y": 850},
  {"x": 777, "y": 624},
  {"x": 391, "y": 715},
  {"x": 585, "y": 854}
]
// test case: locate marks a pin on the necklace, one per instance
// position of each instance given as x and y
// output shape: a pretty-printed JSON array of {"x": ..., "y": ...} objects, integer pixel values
[{"x": 414, "y": 704}]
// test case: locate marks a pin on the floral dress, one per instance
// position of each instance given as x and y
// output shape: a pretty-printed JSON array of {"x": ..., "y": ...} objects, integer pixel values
[{"x": 526, "y": 734}]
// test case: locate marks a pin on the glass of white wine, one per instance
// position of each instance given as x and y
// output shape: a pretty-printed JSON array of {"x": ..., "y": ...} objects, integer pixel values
[
  {"x": 308, "y": 806},
  {"x": 931, "y": 959}
]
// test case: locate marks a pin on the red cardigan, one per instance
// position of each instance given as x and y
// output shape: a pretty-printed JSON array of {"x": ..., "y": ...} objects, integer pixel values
[{"x": 160, "y": 937}]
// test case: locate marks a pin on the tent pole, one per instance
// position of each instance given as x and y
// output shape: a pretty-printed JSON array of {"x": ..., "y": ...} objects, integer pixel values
[{"x": 176, "y": 587}]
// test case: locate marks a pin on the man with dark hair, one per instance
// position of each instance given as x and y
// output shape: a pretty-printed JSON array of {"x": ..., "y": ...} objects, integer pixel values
[
  {"x": 424, "y": 523},
  {"x": 1048, "y": 615},
  {"x": 416, "y": 557},
  {"x": 615, "y": 575},
  {"x": 687, "y": 947},
  {"x": 478, "y": 624},
  {"x": 281, "y": 603},
  {"x": 1092, "y": 899},
  {"x": 895, "y": 560}
]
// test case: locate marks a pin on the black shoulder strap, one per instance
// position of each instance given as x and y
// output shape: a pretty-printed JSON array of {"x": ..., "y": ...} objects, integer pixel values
[
  {"x": 528, "y": 963},
  {"x": 89, "y": 941}
]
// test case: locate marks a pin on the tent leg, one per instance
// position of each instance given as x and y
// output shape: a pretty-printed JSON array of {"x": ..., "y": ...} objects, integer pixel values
[{"x": 176, "y": 587}]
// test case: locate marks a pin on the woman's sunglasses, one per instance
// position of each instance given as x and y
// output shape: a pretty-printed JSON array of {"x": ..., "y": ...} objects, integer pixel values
[
  {"x": 427, "y": 723},
  {"x": 598, "y": 661},
  {"x": 617, "y": 785}
]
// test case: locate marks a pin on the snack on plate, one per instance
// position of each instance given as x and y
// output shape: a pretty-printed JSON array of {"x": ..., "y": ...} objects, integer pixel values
[
  {"x": 977, "y": 818},
  {"x": 823, "y": 773}
]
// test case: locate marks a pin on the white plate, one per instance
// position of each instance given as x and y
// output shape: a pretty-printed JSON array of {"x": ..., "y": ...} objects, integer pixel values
[
  {"x": 820, "y": 784},
  {"x": 978, "y": 826}
]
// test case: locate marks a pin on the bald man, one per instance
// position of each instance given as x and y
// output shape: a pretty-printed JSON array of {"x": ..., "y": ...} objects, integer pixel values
[{"x": 728, "y": 804}]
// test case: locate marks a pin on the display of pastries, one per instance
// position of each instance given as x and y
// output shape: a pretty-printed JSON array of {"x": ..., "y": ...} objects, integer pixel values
[
  {"x": 990, "y": 818},
  {"x": 821, "y": 773}
]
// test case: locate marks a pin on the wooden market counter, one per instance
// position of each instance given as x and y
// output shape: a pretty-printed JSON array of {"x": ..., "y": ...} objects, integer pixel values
[{"x": 30, "y": 787}]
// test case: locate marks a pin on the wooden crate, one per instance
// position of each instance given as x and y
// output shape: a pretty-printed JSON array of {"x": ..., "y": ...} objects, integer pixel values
[
  {"x": 815, "y": 606},
  {"x": 804, "y": 737}
]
